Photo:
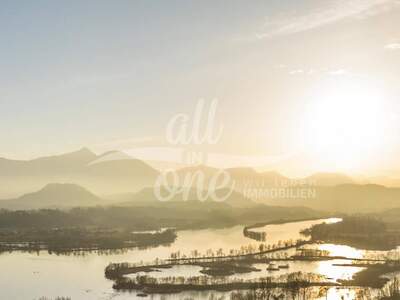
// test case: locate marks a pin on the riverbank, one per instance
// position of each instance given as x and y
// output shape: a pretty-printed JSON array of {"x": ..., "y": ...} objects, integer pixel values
[
  {"x": 262, "y": 236},
  {"x": 358, "y": 232},
  {"x": 220, "y": 269},
  {"x": 126, "y": 284},
  {"x": 60, "y": 240},
  {"x": 372, "y": 275}
]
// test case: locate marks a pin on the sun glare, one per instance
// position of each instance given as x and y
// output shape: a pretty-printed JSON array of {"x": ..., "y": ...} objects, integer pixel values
[{"x": 345, "y": 125}]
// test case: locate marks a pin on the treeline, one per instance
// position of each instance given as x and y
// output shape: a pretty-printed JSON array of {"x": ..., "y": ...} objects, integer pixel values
[
  {"x": 181, "y": 215},
  {"x": 215, "y": 260},
  {"x": 75, "y": 239},
  {"x": 259, "y": 236},
  {"x": 358, "y": 231},
  {"x": 264, "y": 292},
  {"x": 112, "y": 227},
  {"x": 173, "y": 284}
]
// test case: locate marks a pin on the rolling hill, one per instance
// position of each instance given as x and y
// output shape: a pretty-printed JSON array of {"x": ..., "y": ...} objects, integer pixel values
[
  {"x": 147, "y": 197},
  {"x": 345, "y": 198},
  {"x": 54, "y": 195},
  {"x": 104, "y": 174},
  {"x": 329, "y": 179}
]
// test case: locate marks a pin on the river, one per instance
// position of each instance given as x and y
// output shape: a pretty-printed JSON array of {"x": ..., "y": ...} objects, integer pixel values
[{"x": 34, "y": 275}]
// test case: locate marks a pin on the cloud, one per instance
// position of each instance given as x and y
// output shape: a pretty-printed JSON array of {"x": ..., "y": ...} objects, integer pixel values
[
  {"x": 324, "y": 15},
  {"x": 296, "y": 72},
  {"x": 302, "y": 72},
  {"x": 393, "y": 46},
  {"x": 338, "y": 72},
  {"x": 309, "y": 72}
]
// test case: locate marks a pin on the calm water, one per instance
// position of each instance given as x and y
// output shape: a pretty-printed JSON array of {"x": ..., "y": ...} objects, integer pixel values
[{"x": 82, "y": 277}]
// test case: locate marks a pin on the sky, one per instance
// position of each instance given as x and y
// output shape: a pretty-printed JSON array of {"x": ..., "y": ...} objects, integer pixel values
[{"x": 301, "y": 86}]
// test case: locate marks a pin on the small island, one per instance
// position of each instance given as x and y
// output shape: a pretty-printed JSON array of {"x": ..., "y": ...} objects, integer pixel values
[{"x": 362, "y": 232}]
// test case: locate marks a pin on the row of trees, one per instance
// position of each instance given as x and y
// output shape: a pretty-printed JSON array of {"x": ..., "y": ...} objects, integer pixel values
[
  {"x": 392, "y": 290},
  {"x": 263, "y": 251},
  {"x": 298, "y": 279},
  {"x": 393, "y": 255},
  {"x": 260, "y": 236},
  {"x": 62, "y": 240},
  {"x": 244, "y": 250}
]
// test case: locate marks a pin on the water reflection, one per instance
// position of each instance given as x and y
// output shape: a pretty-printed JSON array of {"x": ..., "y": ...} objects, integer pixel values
[
  {"x": 184, "y": 271},
  {"x": 82, "y": 277},
  {"x": 342, "y": 294},
  {"x": 287, "y": 231},
  {"x": 341, "y": 250},
  {"x": 333, "y": 272}
]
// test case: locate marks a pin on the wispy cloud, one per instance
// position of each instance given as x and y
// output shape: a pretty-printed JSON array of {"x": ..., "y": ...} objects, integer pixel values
[
  {"x": 296, "y": 72},
  {"x": 338, "y": 72},
  {"x": 326, "y": 14},
  {"x": 393, "y": 46},
  {"x": 312, "y": 71},
  {"x": 302, "y": 72}
]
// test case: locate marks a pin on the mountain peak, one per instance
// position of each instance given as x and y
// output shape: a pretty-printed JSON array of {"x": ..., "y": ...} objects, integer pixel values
[
  {"x": 111, "y": 156},
  {"x": 85, "y": 150},
  {"x": 59, "y": 195},
  {"x": 62, "y": 186},
  {"x": 82, "y": 155}
]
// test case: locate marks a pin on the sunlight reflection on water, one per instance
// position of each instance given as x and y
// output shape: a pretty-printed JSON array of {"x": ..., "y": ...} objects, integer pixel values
[
  {"x": 334, "y": 273},
  {"x": 341, "y": 250},
  {"x": 82, "y": 277}
]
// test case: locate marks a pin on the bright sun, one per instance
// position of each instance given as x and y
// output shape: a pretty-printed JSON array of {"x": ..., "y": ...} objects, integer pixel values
[{"x": 345, "y": 125}]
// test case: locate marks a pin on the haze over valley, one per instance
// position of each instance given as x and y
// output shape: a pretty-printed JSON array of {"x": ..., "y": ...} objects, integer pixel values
[{"x": 184, "y": 150}]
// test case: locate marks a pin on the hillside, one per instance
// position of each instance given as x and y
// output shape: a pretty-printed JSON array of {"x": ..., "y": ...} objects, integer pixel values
[
  {"x": 329, "y": 179},
  {"x": 53, "y": 195},
  {"x": 347, "y": 198},
  {"x": 112, "y": 172},
  {"x": 147, "y": 197}
]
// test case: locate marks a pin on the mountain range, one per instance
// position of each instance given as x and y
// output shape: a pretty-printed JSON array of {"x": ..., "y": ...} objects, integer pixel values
[
  {"x": 346, "y": 198},
  {"x": 67, "y": 195},
  {"x": 112, "y": 172},
  {"x": 115, "y": 172},
  {"x": 54, "y": 195},
  {"x": 35, "y": 183}
]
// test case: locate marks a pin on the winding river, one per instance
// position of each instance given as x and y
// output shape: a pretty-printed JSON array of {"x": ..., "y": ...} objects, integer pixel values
[{"x": 82, "y": 277}]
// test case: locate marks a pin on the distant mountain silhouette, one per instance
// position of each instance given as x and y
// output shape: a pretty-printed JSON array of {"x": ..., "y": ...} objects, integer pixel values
[
  {"x": 116, "y": 173},
  {"x": 250, "y": 176},
  {"x": 240, "y": 176},
  {"x": 110, "y": 156},
  {"x": 209, "y": 171},
  {"x": 328, "y": 179},
  {"x": 112, "y": 172},
  {"x": 347, "y": 198},
  {"x": 51, "y": 165},
  {"x": 236, "y": 199},
  {"x": 147, "y": 197},
  {"x": 54, "y": 195}
]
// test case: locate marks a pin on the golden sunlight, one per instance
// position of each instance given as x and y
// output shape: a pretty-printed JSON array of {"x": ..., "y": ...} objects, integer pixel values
[{"x": 345, "y": 123}]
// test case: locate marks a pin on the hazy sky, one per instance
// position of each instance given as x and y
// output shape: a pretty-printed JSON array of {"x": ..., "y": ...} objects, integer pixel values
[{"x": 313, "y": 80}]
